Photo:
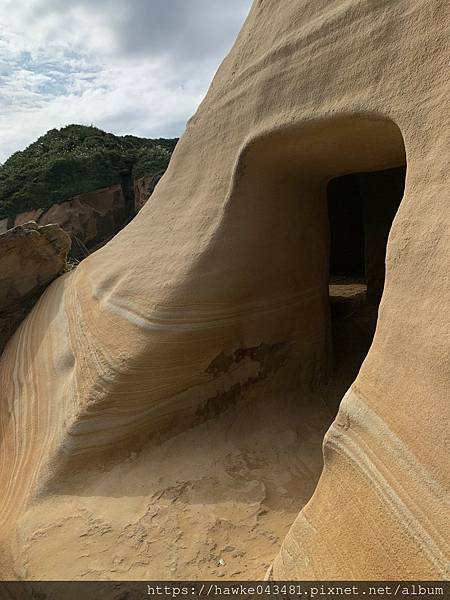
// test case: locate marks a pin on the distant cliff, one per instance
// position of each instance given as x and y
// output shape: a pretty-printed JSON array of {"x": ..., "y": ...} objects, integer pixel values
[{"x": 73, "y": 167}]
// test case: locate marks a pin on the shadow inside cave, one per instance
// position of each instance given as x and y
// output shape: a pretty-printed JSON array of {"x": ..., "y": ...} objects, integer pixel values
[
  {"x": 361, "y": 209},
  {"x": 218, "y": 499}
]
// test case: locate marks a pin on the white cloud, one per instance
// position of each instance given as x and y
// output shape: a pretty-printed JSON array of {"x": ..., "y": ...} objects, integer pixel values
[{"x": 138, "y": 67}]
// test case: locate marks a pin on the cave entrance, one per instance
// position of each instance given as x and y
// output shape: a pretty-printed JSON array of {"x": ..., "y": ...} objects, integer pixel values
[{"x": 361, "y": 208}]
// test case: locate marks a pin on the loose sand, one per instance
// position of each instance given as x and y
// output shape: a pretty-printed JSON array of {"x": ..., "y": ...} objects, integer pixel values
[{"x": 215, "y": 501}]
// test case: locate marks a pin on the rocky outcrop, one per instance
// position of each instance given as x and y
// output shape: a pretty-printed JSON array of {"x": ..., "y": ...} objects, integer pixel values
[
  {"x": 216, "y": 295},
  {"x": 26, "y": 217},
  {"x": 89, "y": 218},
  {"x": 31, "y": 256},
  {"x": 143, "y": 188},
  {"x": 5, "y": 224},
  {"x": 141, "y": 192},
  {"x": 74, "y": 161}
]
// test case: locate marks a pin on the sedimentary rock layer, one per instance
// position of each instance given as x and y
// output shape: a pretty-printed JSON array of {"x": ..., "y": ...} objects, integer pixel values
[
  {"x": 88, "y": 218},
  {"x": 220, "y": 284},
  {"x": 143, "y": 188},
  {"x": 31, "y": 256}
]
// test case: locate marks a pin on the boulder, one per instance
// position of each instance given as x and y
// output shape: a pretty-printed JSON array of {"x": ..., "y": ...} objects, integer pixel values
[{"x": 31, "y": 257}]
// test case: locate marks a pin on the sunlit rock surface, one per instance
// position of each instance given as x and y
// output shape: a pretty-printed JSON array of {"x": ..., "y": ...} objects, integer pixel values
[{"x": 216, "y": 296}]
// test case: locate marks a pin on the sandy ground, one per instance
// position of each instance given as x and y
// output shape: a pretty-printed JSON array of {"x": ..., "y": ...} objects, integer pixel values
[{"x": 214, "y": 502}]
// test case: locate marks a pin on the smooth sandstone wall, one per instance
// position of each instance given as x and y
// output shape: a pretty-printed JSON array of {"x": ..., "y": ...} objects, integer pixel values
[{"x": 231, "y": 255}]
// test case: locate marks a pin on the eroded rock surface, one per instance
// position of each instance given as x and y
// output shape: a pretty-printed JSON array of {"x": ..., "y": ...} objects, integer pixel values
[
  {"x": 31, "y": 256},
  {"x": 26, "y": 217},
  {"x": 89, "y": 218},
  {"x": 231, "y": 257},
  {"x": 5, "y": 224},
  {"x": 143, "y": 187}
]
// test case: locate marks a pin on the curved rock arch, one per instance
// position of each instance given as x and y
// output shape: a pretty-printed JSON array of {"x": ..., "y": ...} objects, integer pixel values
[{"x": 166, "y": 319}]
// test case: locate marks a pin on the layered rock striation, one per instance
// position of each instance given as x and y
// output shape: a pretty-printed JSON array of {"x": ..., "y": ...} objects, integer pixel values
[{"x": 217, "y": 293}]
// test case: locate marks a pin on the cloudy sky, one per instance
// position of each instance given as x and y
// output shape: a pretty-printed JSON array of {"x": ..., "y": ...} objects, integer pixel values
[{"x": 126, "y": 66}]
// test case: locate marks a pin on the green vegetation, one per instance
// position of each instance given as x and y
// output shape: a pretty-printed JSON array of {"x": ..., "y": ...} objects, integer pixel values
[{"x": 76, "y": 159}]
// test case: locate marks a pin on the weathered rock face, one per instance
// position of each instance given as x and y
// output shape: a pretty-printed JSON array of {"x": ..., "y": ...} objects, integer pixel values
[
  {"x": 26, "y": 217},
  {"x": 5, "y": 224},
  {"x": 143, "y": 187},
  {"x": 31, "y": 256},
  {"x": 88, "y": 218},
  {"x": 218, "y": 292}
]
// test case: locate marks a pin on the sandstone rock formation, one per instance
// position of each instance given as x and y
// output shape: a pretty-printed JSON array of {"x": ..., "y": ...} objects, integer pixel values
[
  {"x": 26, "y": 217},
  {"x": 91, "y": 172},
  {"x": 143, "y": 188},
  {"x": 216, "y": 295},
  {"x": 5, "y": 224},
  {"x": 31, "y": 256},
  {"x": 89, "y": 218}
]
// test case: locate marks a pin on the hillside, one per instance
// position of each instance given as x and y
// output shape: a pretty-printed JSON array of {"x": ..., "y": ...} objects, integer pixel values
[{"x": 77, "y": 159}]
